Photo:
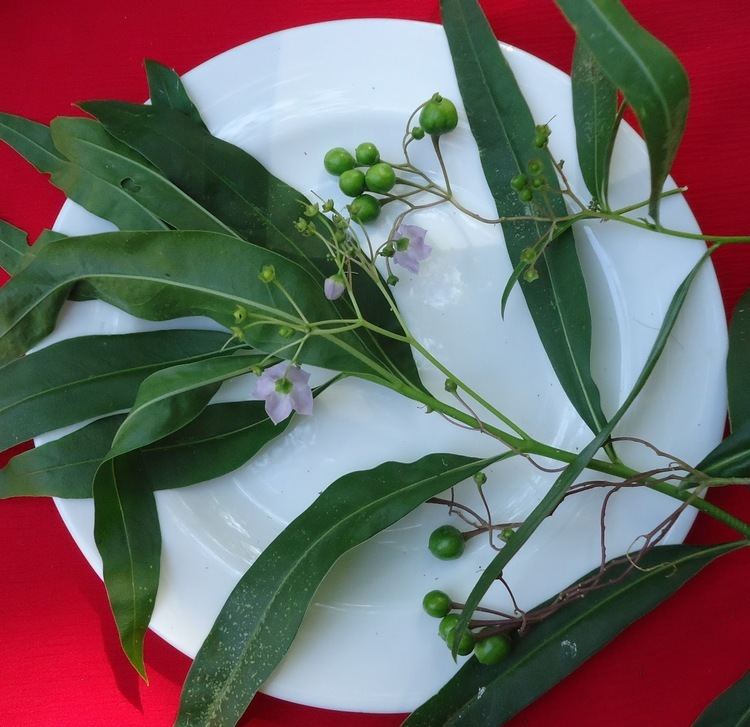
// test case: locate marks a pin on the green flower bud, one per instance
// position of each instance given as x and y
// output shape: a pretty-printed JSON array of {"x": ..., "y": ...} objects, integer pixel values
[
  {"x": 538, "y": 182},
  {"x": 535, "y": 167},
  {"x": 392, "y": 279},
  {"x": 531, "y": 274},
  {"x": 451, "y": 386},
  {"x": 267, "y": 273},
  {"x": 286, "y": 332},
  {"x": 519, "y": 182},
  {"x": 338, "y": 160},
  {"x": 339, "y": 236},
  {"x": 417, "y": 132},
  {"x": 541, "y": 136},
  {"x": 367, "y": 154},
  {"x": 388, "y": 250},
  {"x": 528, "y": 255},
  {"x": 506, "y": 534}
]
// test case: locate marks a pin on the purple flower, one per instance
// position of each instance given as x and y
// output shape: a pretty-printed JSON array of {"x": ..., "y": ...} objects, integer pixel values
[
  {"x": 284, "y": 387},
  {"x": 334, "y": 286},
  {"x": 410, "y": 248}
]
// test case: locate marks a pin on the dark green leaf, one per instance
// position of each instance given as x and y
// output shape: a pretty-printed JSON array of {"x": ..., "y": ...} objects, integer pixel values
[
  {"x": 163, "y": 275},
  {"x": 172, "y": 397},
  {"x": 730, "y": 709},
  {"x": 651, "y": 79},
  {"x": 596, "y": 120},
  {"x": 491, "y": 695},
  {"x": 127, "y": 534},
  {"x": 166, "y": 90},
  {"x": 504, "y": 130},
  {"x": 239, "y": 190},
  {"x": 738, "y": 364},
  {"x": 111, "y": 201},
  {"x": 569, "y": 475},
  {"x": 732, "y": 457},
  {"x": 85, "y": 143},
  {"x": 86, "y": 377},
  {"x": 13, "y": 246},
  {"x": 259, "y": 620}
]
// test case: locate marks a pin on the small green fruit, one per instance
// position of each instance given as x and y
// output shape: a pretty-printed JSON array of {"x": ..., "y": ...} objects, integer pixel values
[
  {"x": 465, "y": 645},
  {"x": 417, "y": 132},
  {"x": 338, "y": 160},
  {"x": 437, "y": 604},
  {"x": 447, "y": 624},
  {"x": 438, "y": 116},
  {"x": 493, "y": 649},
  {"x": 367, "y": 154},
  {"x": 446, "y": 542},
  {"x": 380, "y": 178},
  {"x": 364, "y": 208},
  {"x": 352, "y": 182}
]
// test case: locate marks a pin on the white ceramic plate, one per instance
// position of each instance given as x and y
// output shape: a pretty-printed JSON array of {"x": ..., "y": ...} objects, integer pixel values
[{"x": 365, "y": 644}]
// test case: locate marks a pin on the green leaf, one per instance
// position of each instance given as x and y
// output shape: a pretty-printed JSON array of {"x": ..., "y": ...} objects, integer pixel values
[
  {"x": 172, "y": 397},
  {"x": 504, "y": 130},
  {"x": 13, "y": 246},
  {"x": 86, "y": 144},
  {"x": 127, "y": 535},
  {"x": 259, "y": 620},
  {"x": 259, "y": 207},
  {"x": 164, "y": 275},
  {"x": 86, "y": 377},
  {"x": 732, "y": 457},
  {"x": 62, "y": 468},
  {"x": 596, "y": 120},
  {"x": 738, "y": 364},
  {"x": 569, "y": 475},
  {"x": 167, "y": 91},
  {"x": 730, "y": 709},
  {"x": 557, "y": 646},
  {"x": 651, "y": 79},
  {"x": 111, "y": 201}
]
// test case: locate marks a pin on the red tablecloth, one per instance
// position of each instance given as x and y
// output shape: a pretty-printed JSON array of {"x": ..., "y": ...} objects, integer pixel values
[{"x": 59, "y": 657}]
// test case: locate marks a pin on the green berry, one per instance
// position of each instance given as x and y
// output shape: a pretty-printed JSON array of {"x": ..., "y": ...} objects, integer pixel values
[
  {"x": 535, "y": 167},
  {"x": 450, "y": 386},
  {"x": 447, "y": 625},
  {"x": 465, "y": 645},
  {"x": 492, "y": 650},
  {"x": 417, "y": 132},
  {"x": 352, "y": 182},
  {"x": 538, "y": 182},
  {"x": 367, "y": 154},
  {"x": 526, "y": 195},
  {"x": 437, "y": 604},
  {"x": 541, "y": 136},
  {"x": 380, "y": 178},
  {"x": 338, "y": 160},
  {"x": 388, "y": 250},
  {"x": 506, "y": 534},
  {"x": 438, "y": 116},
  {"x": 519, "y": 182},
  {"x": 446, "y": 542},
  {"x": 480, "y": 478},
  {"x": 364, "y": 208}
]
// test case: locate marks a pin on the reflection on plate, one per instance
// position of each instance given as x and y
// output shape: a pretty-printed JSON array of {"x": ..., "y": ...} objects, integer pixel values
[{"x": 365, "y": 644}]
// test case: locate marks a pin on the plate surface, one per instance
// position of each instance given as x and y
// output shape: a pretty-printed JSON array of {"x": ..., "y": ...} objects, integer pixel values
[{"x": 365, "y": 644}]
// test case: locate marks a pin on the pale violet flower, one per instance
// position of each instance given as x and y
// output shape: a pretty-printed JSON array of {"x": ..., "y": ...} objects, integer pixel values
[
  {"x": 409, "y": 247},
  {"x": 334, "y": 286},
  {"x": 284, "y": 388}
]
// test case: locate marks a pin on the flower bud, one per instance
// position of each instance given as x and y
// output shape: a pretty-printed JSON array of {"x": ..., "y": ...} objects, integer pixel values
[
  {"x": 451, "y": 386},
  {"x": 535, "y": 167},
  {"x": 519, "y": 182},
  {"x": 480, "y": 478},
  {"x": 392, "y": 279},
  {"x": 528, "y": 255},
  {"x": 267, "y": 274},
  {"x": 506, "y": 534},
  {"x": 526, "y": 195},
  {"x": 388, "y": 250},
  {"x": 286, "y": 332},
  {"x": 531, "y": 274}
]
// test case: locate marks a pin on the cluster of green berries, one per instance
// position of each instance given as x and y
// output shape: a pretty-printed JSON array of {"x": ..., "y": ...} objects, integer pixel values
[
  {"x": 377, "y": 176},
  {"x": 487, "y": 649}
]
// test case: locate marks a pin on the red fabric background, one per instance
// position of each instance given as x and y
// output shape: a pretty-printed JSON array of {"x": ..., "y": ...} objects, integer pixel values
[{"x": 59, "y": 658}]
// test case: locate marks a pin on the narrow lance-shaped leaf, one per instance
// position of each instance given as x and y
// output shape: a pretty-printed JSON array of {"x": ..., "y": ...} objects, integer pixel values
[
  {"x": 731, "y": 458},
  {"x": 111, "y": 201},
  {"x": 259, "y": 207},
  {"x": 85, "y": 143},
  {"x": 738, "y": 364},
  {"x": 164, "y": 275},
  {"x": 166, "y": 90},
  {"x": 89, "y": 376},
  {"x": 569, "y": 475},
  {"x": 504, "y": 130},
  {"x": 259, "y": 620},
  {"x": 13, "y": 246},
  {"x": 596, "y": 120},
  {"x": 554, "y": 648},
  {"x": 651, "y": 79},
  {"x": 729, "y": 709},
  {"x": 126, "y": 524}
]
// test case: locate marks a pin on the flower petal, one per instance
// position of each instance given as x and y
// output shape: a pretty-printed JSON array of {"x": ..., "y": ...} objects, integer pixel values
[
  {"x": 302, "y": 400},
  {"x": 298, "y": 376},
  {"x": 278, "y": 406},
  {"x": 406, "y": 260}
]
